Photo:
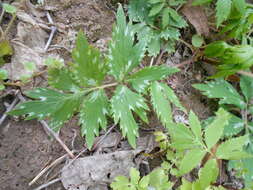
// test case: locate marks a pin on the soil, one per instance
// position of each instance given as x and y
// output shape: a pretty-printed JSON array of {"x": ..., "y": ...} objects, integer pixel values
[{"x": 25, "y": 148}]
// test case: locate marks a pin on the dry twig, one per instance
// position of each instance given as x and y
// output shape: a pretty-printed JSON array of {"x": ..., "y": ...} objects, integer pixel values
[
  {"x": 57, "y": 161},
  {"x": 48, "y": 184},
  {"x": 2, "y": 119}
]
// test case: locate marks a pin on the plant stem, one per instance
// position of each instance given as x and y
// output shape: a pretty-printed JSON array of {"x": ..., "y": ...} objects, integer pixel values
[
  {"x": 187, "y": 44},
  {"x": 14, "y": 16},
  {"x": 2, "y": 15},
  {"x": 103, "y": 86},
  {"x": 245, "y": 73}
]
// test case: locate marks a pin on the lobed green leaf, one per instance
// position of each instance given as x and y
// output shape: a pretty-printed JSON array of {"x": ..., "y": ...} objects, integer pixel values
[
  {"x": 93, "y": 113},
  {"x": 123, "y": 103},
  {"x": 223, "y": 90},
  {"x": 214, "y": 131}
]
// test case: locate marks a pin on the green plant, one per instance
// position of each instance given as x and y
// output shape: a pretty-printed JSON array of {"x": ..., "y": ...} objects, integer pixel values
[
  {"x": 242, "y": 106},
  {"x": 157, "y": 179},
  {"x": 231, "y": 58},
  {"x": 237, "y": 13},
  {"x": 197, "y": 146},
  {"x": 3, "y": 76},
  {"x": 80, "y": 88},
  {"x": 190, "y": 146},
  {"x": 11, "y": 10},
  {"x": 5, "y": 47},
  {"x": 5, "y": 50},
  {"x": 186, "y": 148},
  {"x": 157, "y": 23}
]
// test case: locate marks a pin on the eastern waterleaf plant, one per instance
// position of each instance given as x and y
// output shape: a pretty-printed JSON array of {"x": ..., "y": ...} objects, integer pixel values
[
  {"x": 80, "y": 87},
  {"x": 157, "y": 23},
  {"x": 231, "y": 58},
  {"x": 240, "y": 124}
]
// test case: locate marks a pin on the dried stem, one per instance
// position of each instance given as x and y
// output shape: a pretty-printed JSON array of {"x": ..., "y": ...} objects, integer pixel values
[
  {"x": 246, "y": 73},
  {"x": 48, "y": 184},
  {"x": 57, "y": 161},
  {"x": 64, "y": 146},
  {"x": 2, "y": 119}
]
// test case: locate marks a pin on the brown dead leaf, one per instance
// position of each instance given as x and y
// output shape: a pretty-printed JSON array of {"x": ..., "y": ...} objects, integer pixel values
[
  {"x": 94, "y": 172},
  {"x": 197, "y": 17}
]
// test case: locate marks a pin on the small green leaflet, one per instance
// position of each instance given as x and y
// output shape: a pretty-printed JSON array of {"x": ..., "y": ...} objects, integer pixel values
[
  {"x": 156, "y": 9},
  {"x": 232, "y": 149},
  {"x": 141, "y": 79},
  {"x": 197, "y": 40},
  {"x": 186, "y": 185},
  {"x": 246, "y": 84},
  {"x": 195, "y": 126},
  {"x": 59, "y": 107},
  {"x": 159, "y": 180},
  {"x": 134, "y": 176},
  {"x": 183, "y": 138},
  {"x": 234, "y": 126},
  {"x": 175, "y": 19},
  {"x": 214, "y": 131},
  {"x": 124, "y": 102},
  {"x": 9, "y": 8},
  {"x": 138, "y": 10},
  {"x": 162, "y": 96},
  {"x": 3, "y": 74},
  {"x": 93, "y": 115},
  {"x": 5, "y": 48},
  {"x": 208, "y": 174},
  {"x": 124, "y": 55},
  {"x": 191, "y": 160},
  {"x": 223, "y": 90},
  {"x": 216, "y": 49},
  {"x": 87, "y": 68},
  {"x": 121, "y": 183},
  {"x": 240, "y": 5},
  {"x": 165, "y": 18},
  {"x": 223, "y": 8}
]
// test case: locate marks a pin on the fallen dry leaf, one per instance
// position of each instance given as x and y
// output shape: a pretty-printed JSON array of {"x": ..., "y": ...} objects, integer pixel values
[{"x": 197, "y": 17}]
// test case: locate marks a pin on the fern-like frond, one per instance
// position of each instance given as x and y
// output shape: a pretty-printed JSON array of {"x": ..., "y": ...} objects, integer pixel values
[
  {"x": 124, "y": 54},
  {"x": 162, "y": 96},
  {"x": 223, "y": 90},
  {"x": 56, "y": 106},
  {"x": 124, "y": 103},
  {"x": 93, "y": 113},
  {"x": 88, "y": 68},
  {"x": 141, "y": 79}
]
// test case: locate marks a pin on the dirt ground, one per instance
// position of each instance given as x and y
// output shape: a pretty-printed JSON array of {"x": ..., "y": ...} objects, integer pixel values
[{"x": 25, "y": 148}]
